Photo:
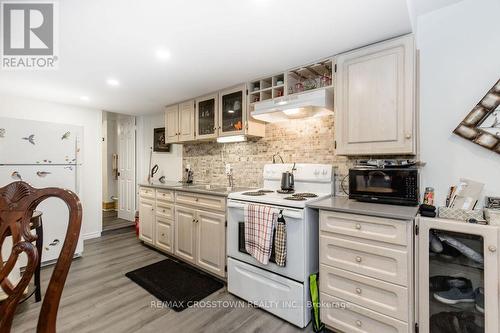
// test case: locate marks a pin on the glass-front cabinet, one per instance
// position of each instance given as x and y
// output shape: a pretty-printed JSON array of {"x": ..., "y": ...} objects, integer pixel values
[
  {"x": 232, "y": 111},
  {"x": 457, "y": 276},
  {"x": 207, "y": 124}
]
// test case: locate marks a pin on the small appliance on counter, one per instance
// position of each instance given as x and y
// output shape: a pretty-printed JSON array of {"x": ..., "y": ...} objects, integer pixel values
[
  {"x": 288, "y": 180},
  {"x": 385, "y": 181}
]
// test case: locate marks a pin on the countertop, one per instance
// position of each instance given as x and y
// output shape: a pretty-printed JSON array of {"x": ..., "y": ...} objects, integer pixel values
[
  {"x": 346, "y": 205},
  {"x": 218, "y": 190}
]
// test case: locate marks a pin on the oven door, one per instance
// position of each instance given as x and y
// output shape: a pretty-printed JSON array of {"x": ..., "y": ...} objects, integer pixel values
[{"x": 295, "y": 243}]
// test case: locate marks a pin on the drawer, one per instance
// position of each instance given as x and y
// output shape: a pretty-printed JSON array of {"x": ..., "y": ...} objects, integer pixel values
[
  {"x": 147, "y": 192},
  {"x": 351, "y": 318},
  {"x": 165, "y": 210},
  {"x": 164, "y": 195},
  {"x": 376, "y": 295},
  {"x": 164, "y": 234},
  {"x": 201, "y": 201},
  {"x": 367, "y": 227},
  {"x": 375, "y": 261}
]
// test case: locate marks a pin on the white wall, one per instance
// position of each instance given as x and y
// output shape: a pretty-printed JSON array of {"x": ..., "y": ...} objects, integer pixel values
[
  {"x": 91, "y": 121},
  {"x": 170, "y": 164},
  {"x": 459, "y": 62}
]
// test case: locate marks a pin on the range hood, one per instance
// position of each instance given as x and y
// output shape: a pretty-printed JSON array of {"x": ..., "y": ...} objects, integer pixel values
[{"x": 315, "y": 103}]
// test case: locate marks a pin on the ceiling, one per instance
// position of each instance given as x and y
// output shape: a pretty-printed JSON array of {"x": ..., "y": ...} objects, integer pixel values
[{"x": 209, "y": 45}]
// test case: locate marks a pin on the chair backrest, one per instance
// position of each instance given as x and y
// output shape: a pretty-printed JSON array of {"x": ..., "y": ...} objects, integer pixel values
[{"x": 18, "y": 200}]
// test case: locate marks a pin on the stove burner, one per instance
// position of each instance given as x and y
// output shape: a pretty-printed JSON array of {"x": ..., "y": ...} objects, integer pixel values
[
  {"x": 295, "y": 198},
  {"x": 305, "y": 195},
  {"x": 265, "y": 191},
  {"x": 285, "y": 191},
  {"x": 254, "y": 194}
]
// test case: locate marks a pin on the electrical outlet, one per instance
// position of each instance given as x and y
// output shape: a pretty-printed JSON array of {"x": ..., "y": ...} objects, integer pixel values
[{"x": 228, "y": 169}]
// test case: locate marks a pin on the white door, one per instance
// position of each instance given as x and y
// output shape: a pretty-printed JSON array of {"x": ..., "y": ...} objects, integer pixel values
[
  {"x": 211, "y": 242},
  {"x": 146, "y": 223},
  {"x": 172, "y": 123},
  {"x": 186, "y": 121},
  {"x": 374, "y": 99},
  {"x": 185, "y": 229},
  {"x": 126, "y": 168},
  {"x": 479, "y": 267}
]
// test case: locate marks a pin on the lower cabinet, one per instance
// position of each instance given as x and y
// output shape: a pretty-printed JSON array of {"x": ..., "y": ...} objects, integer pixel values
[
  {"x": 210, "y": 242},
  {"x": 164, "y": 234},
  {"x": 366, "y": 270},
  {"x": 200, "y": 238},
  {"x": 185, "y": 219},
  {"x": 147, "y": 216}
]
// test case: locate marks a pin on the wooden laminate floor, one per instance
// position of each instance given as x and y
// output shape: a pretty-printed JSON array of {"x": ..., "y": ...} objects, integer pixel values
[
  {"x": 110, "y": 221},
  {"x": 99, "y": 298}
]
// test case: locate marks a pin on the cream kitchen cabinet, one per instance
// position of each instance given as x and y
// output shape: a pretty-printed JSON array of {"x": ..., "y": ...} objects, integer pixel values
[
  {"x": 207, "y": 118},
  {"x": 366, "y": 265},
  {"x": 147, "y": 219},
  {"x": 179, "y": 122},
  {"x": 375, "y": 99},
  {"x": 210, "y": 241},
  {"x": 185, "y": 233}
]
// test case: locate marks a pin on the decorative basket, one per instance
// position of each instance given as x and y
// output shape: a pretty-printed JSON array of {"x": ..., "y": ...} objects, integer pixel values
[{"x": 460, "y": 214}]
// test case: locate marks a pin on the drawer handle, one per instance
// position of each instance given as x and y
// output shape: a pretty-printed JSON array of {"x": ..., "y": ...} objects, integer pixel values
[
  {"x": 196, "y": 199},
  {"x": 358, "y": 291},
  {"x": 358, "y": 226},
  {"x": 164, "y": 210},
  {"x": 359, "y": 323},
  {"x": 358, "y": 259},
  {"x": 492, "y": 248},
  {"x": 163, "y": 235}
]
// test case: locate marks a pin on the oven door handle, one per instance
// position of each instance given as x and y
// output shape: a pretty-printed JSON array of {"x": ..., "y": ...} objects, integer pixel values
[{"x": 286, "y": 212}]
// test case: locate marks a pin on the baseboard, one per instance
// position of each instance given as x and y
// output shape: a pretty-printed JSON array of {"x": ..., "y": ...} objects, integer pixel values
[{"x": 91, "y": 235}]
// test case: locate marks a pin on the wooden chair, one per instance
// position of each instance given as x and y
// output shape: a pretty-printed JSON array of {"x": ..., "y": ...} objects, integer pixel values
[{"x": 18, "y": 200}]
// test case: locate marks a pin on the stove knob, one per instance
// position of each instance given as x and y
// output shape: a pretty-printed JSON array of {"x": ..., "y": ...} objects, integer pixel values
[
  {"x": 324, "y": 172},
  {"x": 316, "y": 172}
]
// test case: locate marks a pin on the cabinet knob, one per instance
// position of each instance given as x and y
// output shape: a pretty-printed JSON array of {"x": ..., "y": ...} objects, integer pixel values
[
  {"x": 358, "y": 291},
  {"x": 194, "y": 220},
  {"x": 492, "y": 248},
  {"x": 164, "y": 210},
  {"x": 408, "y": 136},
  {"x": 196, "y": 199},
  {"x": 359, "y": 323},
  {"x": 358, "y": 226},
  {"x": 162, "y": 234},
  {"x": 358, "y": 259}
]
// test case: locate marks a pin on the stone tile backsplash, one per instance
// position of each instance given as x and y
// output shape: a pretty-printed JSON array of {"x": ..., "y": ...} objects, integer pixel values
[{"x": 301, "y": 141}]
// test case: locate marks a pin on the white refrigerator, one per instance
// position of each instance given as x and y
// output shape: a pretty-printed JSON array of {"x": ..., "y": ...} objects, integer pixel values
[{"x": 43, "y": 154}]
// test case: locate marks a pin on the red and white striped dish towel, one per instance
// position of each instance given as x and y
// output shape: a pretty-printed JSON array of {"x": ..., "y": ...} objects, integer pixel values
[{"x": 259, "y": 226}]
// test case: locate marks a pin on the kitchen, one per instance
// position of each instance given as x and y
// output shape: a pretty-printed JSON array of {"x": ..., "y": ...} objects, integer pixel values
[{"x": 301, "y": 144}]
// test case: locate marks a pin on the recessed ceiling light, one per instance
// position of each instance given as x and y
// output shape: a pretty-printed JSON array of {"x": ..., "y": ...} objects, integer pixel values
[
  {"x": 113, "y": 82},
  {"x": 84, "y": 98},
  {"x": 163, "y": 54}
]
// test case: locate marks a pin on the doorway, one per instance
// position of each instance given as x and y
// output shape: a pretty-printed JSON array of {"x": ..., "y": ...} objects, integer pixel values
[{"x": 118, "y": 171}]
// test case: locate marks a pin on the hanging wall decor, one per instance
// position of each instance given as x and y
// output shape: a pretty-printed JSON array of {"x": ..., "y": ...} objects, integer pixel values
[
  {"x": 159, "y": 144},
  {"x": 482, "y": 124}
]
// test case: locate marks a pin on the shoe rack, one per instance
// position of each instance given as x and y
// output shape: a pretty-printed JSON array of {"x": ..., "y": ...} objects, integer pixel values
[{"x": 450, "y": 251}]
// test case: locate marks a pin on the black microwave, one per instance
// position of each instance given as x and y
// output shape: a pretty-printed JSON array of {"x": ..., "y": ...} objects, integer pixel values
[{"x": 397, "y": 186}]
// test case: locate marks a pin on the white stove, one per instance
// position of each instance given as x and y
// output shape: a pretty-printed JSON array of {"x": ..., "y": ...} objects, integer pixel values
[
  {"x": 283, "y": 291},
  {"x": 312, "y": 182}
]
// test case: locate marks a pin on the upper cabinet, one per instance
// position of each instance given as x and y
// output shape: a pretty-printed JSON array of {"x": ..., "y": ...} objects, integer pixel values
[
  {"x": 374, "y": 99},
  {"x": 179, "y": 122},
  {"x": 206, "y": 120},
  {"x": 232, "y": 111}
]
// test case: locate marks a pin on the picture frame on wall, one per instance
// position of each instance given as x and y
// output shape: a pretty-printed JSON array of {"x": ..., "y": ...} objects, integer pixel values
[
  {"x": 482, "y": 124},
  {"x": 159, "y": 144}
]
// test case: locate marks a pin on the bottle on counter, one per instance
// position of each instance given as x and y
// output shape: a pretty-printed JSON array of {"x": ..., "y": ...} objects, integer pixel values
[{"x": 429, "y": 196}]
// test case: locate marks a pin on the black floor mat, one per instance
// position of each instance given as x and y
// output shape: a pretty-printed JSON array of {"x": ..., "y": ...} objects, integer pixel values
[{"x": 177, "y": 284}]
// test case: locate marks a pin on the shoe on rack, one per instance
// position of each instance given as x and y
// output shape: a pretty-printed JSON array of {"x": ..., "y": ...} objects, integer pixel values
[
  {"x": 455, "y": 295},
  {"x": 464, "y": 249},
  {"x": 449, "y": 252},
  {"x": 444, "y": 283},
  {"x": 454, "y": 322},
  {"x": 435, "y": 244},
  {"x": 479, "y": 299}
]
